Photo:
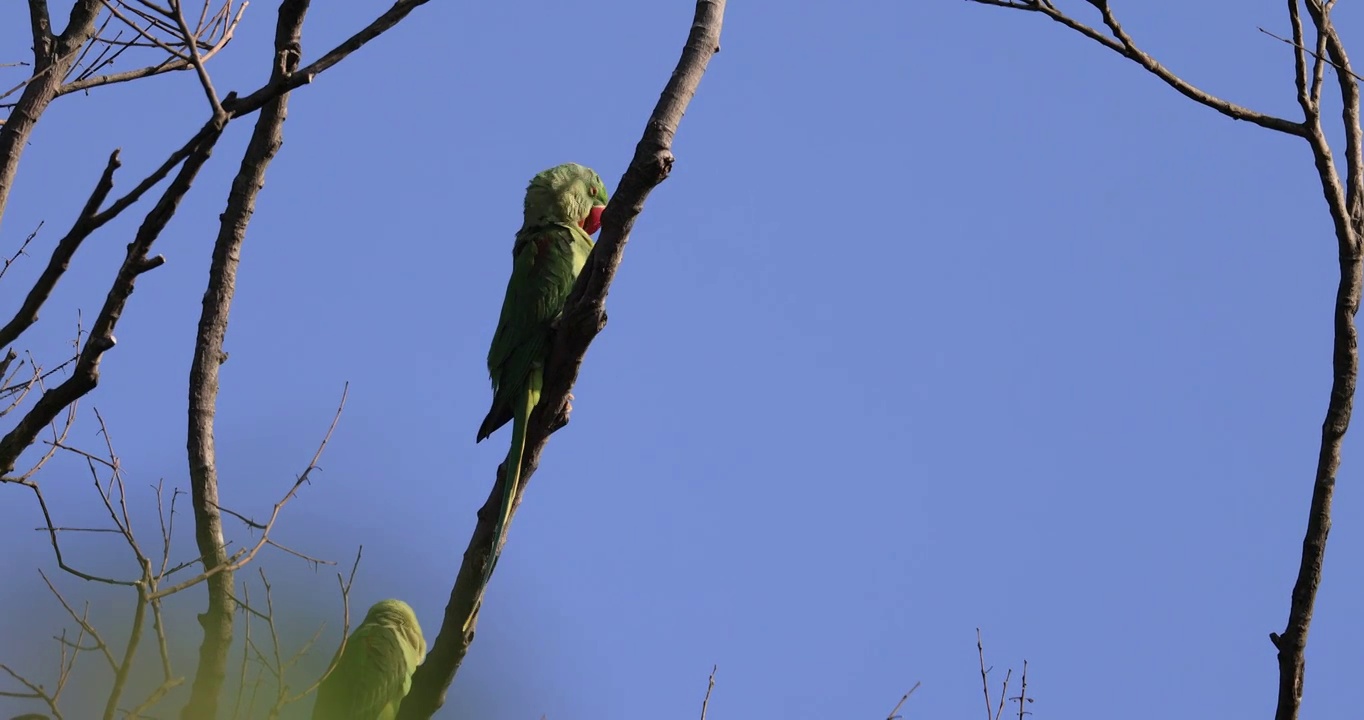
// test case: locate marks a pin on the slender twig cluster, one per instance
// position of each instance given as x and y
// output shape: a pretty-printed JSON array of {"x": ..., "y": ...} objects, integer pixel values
[
  {"x": 40, "y": 403},
  {"x": 127, "y": 28},
  {"x": 993, "y": 711}
]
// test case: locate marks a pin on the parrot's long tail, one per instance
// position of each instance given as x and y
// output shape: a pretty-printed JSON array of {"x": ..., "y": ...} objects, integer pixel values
[{"x": 511, "y": 469}]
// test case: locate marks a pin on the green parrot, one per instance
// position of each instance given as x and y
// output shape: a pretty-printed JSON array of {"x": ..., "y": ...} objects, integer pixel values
[
  {"x": 563, "y": 208},
  {"x": 374, "y": 672}
]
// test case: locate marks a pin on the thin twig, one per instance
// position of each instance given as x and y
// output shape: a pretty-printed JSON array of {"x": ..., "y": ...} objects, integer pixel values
[
  {"x": 984, "y": 681},
  {"x": 192, "y": 44},
  {"x": 1003, "y": 693},
  {"x": 1121, "y": 43},
  {"x": 1023, "y": 698},
  {"x": 19, "y": 253},
  {"x": 710, "y": 685},
  {"x": 244, "y": 556},
  {"x": 894, "y": 712},
  {"x": 1311, "y": 52}
]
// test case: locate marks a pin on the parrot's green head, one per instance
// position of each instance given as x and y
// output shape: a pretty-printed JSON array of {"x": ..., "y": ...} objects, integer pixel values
[
  {"x": 570, "y": 193},
  {"x": 399, "y": 616}
]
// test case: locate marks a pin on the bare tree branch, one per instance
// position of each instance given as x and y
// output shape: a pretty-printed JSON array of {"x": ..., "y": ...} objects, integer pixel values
[
  {"x": 584, "y": 317},
  {"x": 1121, "y": 43},
  {"x": 191, "y": 44},
  {"x": 86, "y": 373},
  {"x": 51, "y": 62},
  {"x": 710, "y": 685},
  {"x": 1345, "y": 202},
  {"x": 208, "y": 356},
  {"x": 221, "y": 33},
  {"x": 894, "y": 712},
  {"x": 68, "y": 56},
  {"x": 1023, "y": 698},
  {"x": 27, "y": 314},
  {"x": 18, "y": 254},
  {"x": 303, "y": 76},
  {"x": 1347, "y": 212},
  {"x": 40, "y": 24}
]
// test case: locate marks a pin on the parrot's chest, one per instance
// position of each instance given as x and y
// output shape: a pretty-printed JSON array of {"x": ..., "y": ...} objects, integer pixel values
[{"x": 581, "y": 250}]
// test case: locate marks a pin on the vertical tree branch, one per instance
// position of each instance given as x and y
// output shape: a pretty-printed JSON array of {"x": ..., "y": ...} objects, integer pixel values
[
  {"x": 40, "y": 25},
  {"x": 208, "y": 356},
  {"x": 1345, "y": 206},
  {"x": 583, "y": 319}
]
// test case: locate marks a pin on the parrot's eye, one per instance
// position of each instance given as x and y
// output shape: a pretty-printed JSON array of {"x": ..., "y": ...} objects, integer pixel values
[{"x": 592, "y": 191}]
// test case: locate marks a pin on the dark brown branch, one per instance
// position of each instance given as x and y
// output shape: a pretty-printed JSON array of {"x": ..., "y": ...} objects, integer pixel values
[
  {"x": 208, "y": 356},
  {"x": 40, "y": 25},
  {"x": 1345, "y": 206},
  {"x": 710, "y": 686},
  {"x": 89, "y": 46},
  {"x": 303, "y": 76},
  {"x": 165, "y": 66},
  {"x": 27, "y": 314},
  {"x": 224, "y": 31},
  {"x": 50, "y": 66},
  {"x": 146, "y": 33},
  {"x": 85, "y": 375},
  {"x": 1299, "y": 49},
  {"x": 21, "y": 252},
  {"x": 192, "y": 46},
  {"x": 1121, "y": 43},
  {"x": 1300, "y": 78},
  {"x": 18, "y": 127},
  {"x": 1345, "y": 203},
  {"x": 79, "y": 25},
  {"x": 583, "y": 319}
]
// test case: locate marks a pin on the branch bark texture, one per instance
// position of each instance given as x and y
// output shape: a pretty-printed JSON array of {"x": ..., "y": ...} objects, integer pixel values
[
  {"x": 208, "y": 357},
  {"x": 1345, "y": 203},
  {"x": 53, "y": 56},
  {"x": 85, "y": 376},
  {"x": 583, "y": 318}
]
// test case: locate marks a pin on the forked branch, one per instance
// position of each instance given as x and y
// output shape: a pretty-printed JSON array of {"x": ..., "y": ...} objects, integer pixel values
[{"x": 1345, "y": 203}]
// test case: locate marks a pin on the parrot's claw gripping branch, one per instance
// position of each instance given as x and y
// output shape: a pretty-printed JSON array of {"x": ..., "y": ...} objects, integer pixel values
[{"x": 583, "y": 318}]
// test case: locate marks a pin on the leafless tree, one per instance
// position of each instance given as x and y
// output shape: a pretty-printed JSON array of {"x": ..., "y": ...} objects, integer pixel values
[
  {"x": 108, "y": 42},
  {"x": 1317, "y": 48}
]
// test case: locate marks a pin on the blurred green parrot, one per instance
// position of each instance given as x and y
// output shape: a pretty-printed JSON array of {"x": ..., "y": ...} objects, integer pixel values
[
  {"x": 374, "y": 672},
  {"x": 563, "y": 208}
]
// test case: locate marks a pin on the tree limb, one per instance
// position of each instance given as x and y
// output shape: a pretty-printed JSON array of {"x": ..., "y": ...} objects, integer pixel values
[
  {"x": 1121, "y": 43},
  {"x": 208, "y": 356},
  {"x": 303, "y": 76},
  {"x": 1345, "y": 203},
  {"x": 172, "y": 63},
  {"x": 584, "y": 317},
  {"x": 1345, "y": 206},
  {"x": 40, "y": 24},
  {"x": 85, "y": 375},
  {"x": 48, "y": 72}
]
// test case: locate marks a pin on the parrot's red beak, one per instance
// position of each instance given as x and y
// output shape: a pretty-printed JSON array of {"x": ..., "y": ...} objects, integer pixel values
[{"x": 592, "y": 222}]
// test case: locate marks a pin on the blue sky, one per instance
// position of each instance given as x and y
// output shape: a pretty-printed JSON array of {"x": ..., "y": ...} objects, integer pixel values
[{"x": 947, "y": 318}]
